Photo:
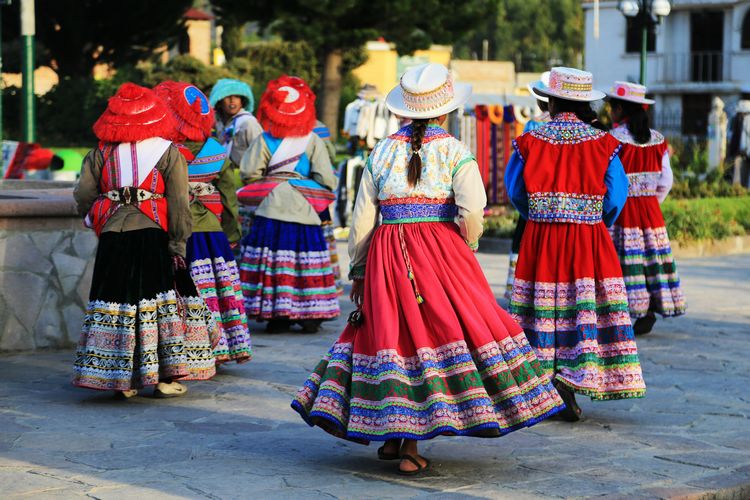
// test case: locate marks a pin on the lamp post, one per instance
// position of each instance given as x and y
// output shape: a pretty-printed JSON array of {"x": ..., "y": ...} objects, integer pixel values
[{"x": 649, "y": 14}]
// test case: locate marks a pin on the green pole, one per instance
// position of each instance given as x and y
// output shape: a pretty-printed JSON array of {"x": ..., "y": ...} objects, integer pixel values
[
  {"x": 644, "y": 46},
  {"x": 27, "y": 69}
]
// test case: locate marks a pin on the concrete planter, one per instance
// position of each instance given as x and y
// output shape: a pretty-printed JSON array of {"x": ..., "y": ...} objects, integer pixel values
[
  {"x": 46, "y": 263},
  {"x": 712, "y": 248}
]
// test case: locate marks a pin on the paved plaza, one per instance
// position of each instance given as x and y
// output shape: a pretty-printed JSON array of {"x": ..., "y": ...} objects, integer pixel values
[{"x": 236, "y": 436}]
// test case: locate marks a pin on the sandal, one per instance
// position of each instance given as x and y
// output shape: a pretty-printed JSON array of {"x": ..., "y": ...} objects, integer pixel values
[
  {"x": 572, "y": 412},
  {"x": 125, "y": 395},
  {"x": 169, "y": 390},
  {"x": 420, "y": 468},
  {"x": 382, "y": 455}
]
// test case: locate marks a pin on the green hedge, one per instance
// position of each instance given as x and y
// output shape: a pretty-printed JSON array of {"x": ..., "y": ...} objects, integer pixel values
[
  {"x": 687, "y": 219},
  {"x": 707, "y": 218}
]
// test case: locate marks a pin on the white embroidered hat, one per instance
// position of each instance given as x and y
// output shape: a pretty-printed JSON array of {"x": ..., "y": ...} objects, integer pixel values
[
  {"x": 570, "y": 84},
  {"x": 426, "y": 91},
  {"x": 540, "y": 84},
  {"x": 629, "y": 91}
]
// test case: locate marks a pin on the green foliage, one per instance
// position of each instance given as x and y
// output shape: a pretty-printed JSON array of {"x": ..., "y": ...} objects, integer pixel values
[
  {"x": 185, "y": 68},
  {"x": 501, "y": 225},
  {"x": 706, "y": 218},
  {"x": 68, "y": 111},
  {"x": 262, "y": 62},
  {"x": 693, "y": 178},
  {"x": 74, "y": 35},
  {"x": 534, "y": 34}
]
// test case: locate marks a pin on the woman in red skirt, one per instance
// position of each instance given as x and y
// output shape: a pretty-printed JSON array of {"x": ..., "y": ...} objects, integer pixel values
[
  {"x": 640, "y": 234},
  {"x": 433, "y": 354},
  {"x": 566, "y": 179}
]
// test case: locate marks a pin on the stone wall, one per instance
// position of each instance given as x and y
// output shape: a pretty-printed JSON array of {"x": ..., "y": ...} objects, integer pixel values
[{"x": 46, "y": 262}]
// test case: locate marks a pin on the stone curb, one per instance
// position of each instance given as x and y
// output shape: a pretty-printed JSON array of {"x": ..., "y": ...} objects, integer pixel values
[{"x": 37, "y": 203}]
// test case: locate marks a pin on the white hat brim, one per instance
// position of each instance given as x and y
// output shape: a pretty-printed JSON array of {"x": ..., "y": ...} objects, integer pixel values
[
  {"x": 636, "y": 100},
  {"x": 595, "y": 95},
  {"x": 534, "y": 85},
  {"x": 395, "y": 103}
]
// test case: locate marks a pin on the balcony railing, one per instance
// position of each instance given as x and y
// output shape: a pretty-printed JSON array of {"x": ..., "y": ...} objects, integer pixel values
[{"x": 701, "y": 67}]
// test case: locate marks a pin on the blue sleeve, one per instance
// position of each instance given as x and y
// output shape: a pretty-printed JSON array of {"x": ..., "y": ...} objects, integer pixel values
[
  {"x": 617, "y": 191},
  {"x": 515, "y": 185}
]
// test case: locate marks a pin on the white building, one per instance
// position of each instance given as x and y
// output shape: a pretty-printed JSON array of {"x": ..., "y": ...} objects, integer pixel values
[{"x": 701, "y": 50}]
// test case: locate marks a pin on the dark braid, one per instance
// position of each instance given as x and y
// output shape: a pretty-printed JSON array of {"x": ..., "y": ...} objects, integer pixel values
[
  {"x": 637, "y": 117},
  {"x": 582, "y": 110},
  {"x": 418, "y": 129}
]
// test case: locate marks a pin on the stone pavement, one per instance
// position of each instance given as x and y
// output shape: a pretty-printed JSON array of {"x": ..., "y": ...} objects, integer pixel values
[{"x": 236, "y": 437}]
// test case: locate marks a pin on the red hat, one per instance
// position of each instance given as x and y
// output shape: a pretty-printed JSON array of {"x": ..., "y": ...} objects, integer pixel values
[
  {"x": 134, "y": 114},
  {"x": 190, "y": 109},
  {"x": 287, "y": 107}
]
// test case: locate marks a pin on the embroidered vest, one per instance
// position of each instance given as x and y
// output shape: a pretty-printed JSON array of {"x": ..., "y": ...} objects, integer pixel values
[
  {"x": 565, "y": 164},
  {"x": 203, "y": 168},
  {"x": 642, "y": 162},
  {"x": 129, "y": 177}
]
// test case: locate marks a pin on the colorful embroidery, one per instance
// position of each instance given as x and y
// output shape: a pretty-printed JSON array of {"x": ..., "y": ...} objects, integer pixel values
[
  {"x": 106, "y": 357},
  {"x": 643, "y": 183},
  {"x": 406, "y": 210},
  {"x": 431, "y": 133},
  {"x": 286, "y": 272},
  {"x": 649, "y": 271},
  {"x": 442, "y": 156},
  {"x": 573, "y": 208},
  {"x": 450, "y": 389},
  {"x": 582, "y": 334},
  {"x": 217, "y": 279},
  {"x": 566, "y": 128}
]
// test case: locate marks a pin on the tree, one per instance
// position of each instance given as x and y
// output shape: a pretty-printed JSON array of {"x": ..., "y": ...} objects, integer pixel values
[
  {"x": 74, "y": 35},
  {"x": 534, "y": 34},
  {"x": 333, "y": 27}
]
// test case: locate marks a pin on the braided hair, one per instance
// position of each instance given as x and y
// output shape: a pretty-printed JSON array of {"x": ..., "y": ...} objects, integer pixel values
[
  {"x": 419, "y": 127},
  {"x": 638, "y": 123}
]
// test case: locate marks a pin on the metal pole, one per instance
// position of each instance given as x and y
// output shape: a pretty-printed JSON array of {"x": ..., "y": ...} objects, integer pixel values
[{"x": 27, "y": 69}]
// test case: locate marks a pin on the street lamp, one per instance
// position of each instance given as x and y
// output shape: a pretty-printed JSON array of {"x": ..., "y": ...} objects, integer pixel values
[{"x": 649, "y": 14}]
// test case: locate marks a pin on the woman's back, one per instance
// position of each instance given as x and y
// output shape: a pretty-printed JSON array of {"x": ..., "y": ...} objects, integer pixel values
[{"x": 442, "y": 156}]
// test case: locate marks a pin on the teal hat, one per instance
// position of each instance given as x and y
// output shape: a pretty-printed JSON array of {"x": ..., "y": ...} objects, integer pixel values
[{"x": 228, "y": 86}]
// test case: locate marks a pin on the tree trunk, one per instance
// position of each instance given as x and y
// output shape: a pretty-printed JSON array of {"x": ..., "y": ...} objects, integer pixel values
[
  {"x": 330, "y": 91},
  {"x": 231, "y": 39}
]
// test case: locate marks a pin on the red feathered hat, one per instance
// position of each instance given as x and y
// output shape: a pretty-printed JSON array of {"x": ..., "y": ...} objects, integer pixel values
[
  {"x": 287, "y": 107},
  {"x": 190, "y": 109},
  {"x": 134, "y": 114}
]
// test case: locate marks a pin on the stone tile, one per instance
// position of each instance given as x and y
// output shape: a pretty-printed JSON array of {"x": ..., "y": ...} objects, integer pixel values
[
  {"x": 84, "y": 284},
  {"x": 48, "y": 330},
  {"x": 47, "y": 242},
  {"x": 69, "y": 270},
  {"x": 19, "y": 253},
  {"x": 84, "y": 244},
  {"x": 73, "y": 321},
  {"x": 14, "y": 336},
  {"x": 23, "y": 292},
  {"x": 714, "y": 460}
]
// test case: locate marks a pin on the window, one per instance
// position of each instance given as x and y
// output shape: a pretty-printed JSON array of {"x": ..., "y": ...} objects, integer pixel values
[
  {"x": 695, "y": 110},
  {"x": 745, "y": 37},
  {"x": 634, "y": 36}
]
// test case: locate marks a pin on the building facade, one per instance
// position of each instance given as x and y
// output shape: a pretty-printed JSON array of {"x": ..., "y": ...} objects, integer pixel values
[{"x": 698, "y": 52}]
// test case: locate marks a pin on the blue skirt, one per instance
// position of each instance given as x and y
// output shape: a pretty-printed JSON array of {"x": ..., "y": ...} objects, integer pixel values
[{"x": 286, "y": 272}]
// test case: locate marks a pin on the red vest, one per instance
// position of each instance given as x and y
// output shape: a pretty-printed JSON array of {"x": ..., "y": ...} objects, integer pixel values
[{"x": 103, "y": 208}]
